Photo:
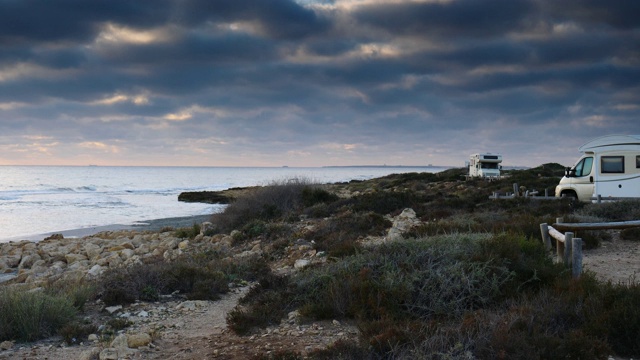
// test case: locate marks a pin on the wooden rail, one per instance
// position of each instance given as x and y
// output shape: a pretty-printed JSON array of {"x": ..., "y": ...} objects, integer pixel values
[{"x": 568, "y": 248}]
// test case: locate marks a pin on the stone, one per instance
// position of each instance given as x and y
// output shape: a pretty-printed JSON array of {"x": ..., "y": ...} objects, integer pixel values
[
  {"x": 183, "y": 245},
  {"x": 72, "y": 258},
  {"x": 92, "y": 250},
  {"x": 120, "y": 342},
  {"x": 93, "y": 337},
  {"x": 109, "y": 354},
  {"x": 402, "y": 223},
  {"x": 113, "y": 309},
  {"x": 6, "y": 345},
  {"x": 27, "y": 261},
  {"x": 96, "y": 270},
  {"x": 90, "y": 354},
  {"x": 137, "y": 340},
  {"x": 301, "y": 263}
]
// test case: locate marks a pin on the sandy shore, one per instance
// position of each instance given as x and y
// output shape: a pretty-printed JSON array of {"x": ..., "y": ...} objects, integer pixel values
[{"x": 151, "y": 225}]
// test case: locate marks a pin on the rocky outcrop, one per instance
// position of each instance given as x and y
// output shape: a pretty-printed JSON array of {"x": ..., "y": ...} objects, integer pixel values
[
  {"x": 214, "y": 197},
  {"x": 402, "y": 223}
]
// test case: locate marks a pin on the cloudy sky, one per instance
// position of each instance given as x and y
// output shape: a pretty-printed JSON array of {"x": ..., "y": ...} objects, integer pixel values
[{"x": 314, "y": 82}]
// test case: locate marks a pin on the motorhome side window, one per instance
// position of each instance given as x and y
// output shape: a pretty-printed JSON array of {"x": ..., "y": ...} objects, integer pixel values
[
  {"x": 612, "y": 164},
  {"x": 583, "y": 168},
  {"x": 637, "y": 161}
]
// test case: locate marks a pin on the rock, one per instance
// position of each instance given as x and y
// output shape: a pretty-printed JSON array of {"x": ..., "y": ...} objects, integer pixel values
[
  {"x": 27, "y": 261},
  {"x": 54, "y": 237},
  {"x": 92, "y": 250},
  {"x": 90, "y": 354},
  {"x": 137, "y": 340},
  {"x": 96, "y": 270},
  {"x": 301, "y": 263},
  {"x": 6, "y": 345},
  {"x": 402, "y": 223},
  {"x": 120, "y": 342},
  {"x": 191, "y": 305},
  {"x": 93, "y": 337},
  {"x": 72, "y": 258},
  {"x": 109, "y": 354},
  {"x": 183, "y": 245},
  {"x": 207, "y": 228},
  {"x": 113, "y": 309}
]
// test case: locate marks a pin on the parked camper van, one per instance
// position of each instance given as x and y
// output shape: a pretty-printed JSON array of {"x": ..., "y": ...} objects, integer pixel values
[
  {"x": 485, "y": 165},
  {"x": 610, "y": 167}
]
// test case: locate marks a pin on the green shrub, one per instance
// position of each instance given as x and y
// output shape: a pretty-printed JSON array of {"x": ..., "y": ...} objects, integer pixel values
[
  {"x": 624, "y": 210},
  {"x": 76, "y": 332},
  {"x": 188, "y": 232},
  {"x": 315, "y": 195},
  {"x": 283, "y": 199},
  {"x": 117, "y": 324},
  {"x": 338, "y": 235},
  {"x": 263, "y": 305},
  {"x": 630, "y": 234},
  {"x": 29, "y": 316},
  {"x": 78, "y": 291}
]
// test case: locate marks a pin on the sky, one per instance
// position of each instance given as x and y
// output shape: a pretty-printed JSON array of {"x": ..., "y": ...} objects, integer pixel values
[{"x": 314, "y": 82}]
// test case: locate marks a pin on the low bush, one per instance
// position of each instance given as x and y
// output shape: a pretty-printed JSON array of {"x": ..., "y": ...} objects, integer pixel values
[
  {"x": 188, "y": 232},
  {"x": 285, "y": 199},
  {"x": 624, "y": 210},
  {"x": 264, "y": 304},
  {"x": 29, "y": 316},
  {"x": 76, "y": 332},
  {"x": 630, "y": 234},
  {"x": 339, "y": 235},
  {"x": 202, "y": 276}
]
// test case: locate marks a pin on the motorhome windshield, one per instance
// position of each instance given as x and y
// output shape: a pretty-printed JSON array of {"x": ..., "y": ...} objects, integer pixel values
[
  {"x": 489, "y": 165},
  {"x": 583, "y": 167}
]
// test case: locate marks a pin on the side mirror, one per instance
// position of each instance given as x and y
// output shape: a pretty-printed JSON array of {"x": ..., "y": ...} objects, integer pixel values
[{"x": 569, "y": 172}]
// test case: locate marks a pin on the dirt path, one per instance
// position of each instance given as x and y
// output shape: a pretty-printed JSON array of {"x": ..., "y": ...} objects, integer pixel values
[{"x": 617, "y": 260}]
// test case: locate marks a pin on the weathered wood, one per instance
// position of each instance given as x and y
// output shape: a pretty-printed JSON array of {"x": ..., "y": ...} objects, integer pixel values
[
  {"x": 567, "y": 245},
  {"x": 546, "y": 240},
  {"x": 576, "y": 268},
  {"x": 516, "y": 190},
  {"x": 597, "y": 226},
  {"x": 556, "y": 234}
]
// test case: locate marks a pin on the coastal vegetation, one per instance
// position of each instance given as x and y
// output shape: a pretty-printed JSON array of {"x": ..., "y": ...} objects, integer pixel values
[{"x": 469, "y": 279}]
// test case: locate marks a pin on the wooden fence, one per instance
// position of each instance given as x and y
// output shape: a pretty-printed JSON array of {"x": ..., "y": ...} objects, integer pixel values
[{"x": 568, "y": 247}]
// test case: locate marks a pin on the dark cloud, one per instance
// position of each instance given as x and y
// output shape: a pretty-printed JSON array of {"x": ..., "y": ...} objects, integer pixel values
[
  {"x": 24, "y": 21},
  {"x": 352, "y": 81},
  {"x": 462, "y": 18}
]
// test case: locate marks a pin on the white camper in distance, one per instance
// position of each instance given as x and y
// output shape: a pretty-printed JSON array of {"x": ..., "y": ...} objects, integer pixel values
[
  {"x": 485, "y": 165},
  {"x": 610, "y": 167}
]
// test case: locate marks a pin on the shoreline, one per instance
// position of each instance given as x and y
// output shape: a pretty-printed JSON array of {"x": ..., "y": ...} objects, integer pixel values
[{"x": 149, "y": 225}]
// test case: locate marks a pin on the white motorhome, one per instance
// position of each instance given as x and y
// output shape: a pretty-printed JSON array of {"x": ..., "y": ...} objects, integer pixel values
[
  {"x": 485, "y": 165},
  {"x": 610, "y": 167}
]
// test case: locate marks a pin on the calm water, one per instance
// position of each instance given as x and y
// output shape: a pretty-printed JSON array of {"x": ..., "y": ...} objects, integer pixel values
[{"x": 43, "y": 199}]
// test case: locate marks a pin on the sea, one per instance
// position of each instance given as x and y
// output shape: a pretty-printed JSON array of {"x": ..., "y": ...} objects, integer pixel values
[{"x": 37, "y": 200}]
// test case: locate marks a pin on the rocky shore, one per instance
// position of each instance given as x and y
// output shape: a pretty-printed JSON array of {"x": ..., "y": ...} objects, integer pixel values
[{"x": 160, "y": 328}]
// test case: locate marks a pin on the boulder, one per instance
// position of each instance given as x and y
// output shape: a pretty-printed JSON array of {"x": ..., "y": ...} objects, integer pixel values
[
  {"x": 72, "y": 258},
  {"x": 402, "y": 223},
  {"x": 135, "y": 341},
  {"x": 92, "y": 250},
  {"x": 90, "y": 354},
  {"x": 109, "y": 354}
]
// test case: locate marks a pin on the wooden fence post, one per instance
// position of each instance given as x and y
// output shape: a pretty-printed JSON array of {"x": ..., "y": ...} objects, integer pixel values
[
  {"x": 546, "y": 239},
  {"x": 576, "y": 269},
  {"x": 568, "y": 241},
  {"x": 516, "y": 190}
]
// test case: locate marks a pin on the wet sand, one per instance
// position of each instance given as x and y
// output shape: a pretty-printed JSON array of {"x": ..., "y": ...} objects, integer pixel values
[{"x": 151, "y": 225}]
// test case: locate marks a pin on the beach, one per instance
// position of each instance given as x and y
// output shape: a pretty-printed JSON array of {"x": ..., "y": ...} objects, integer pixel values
[{"x": 151, "y": 225}]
